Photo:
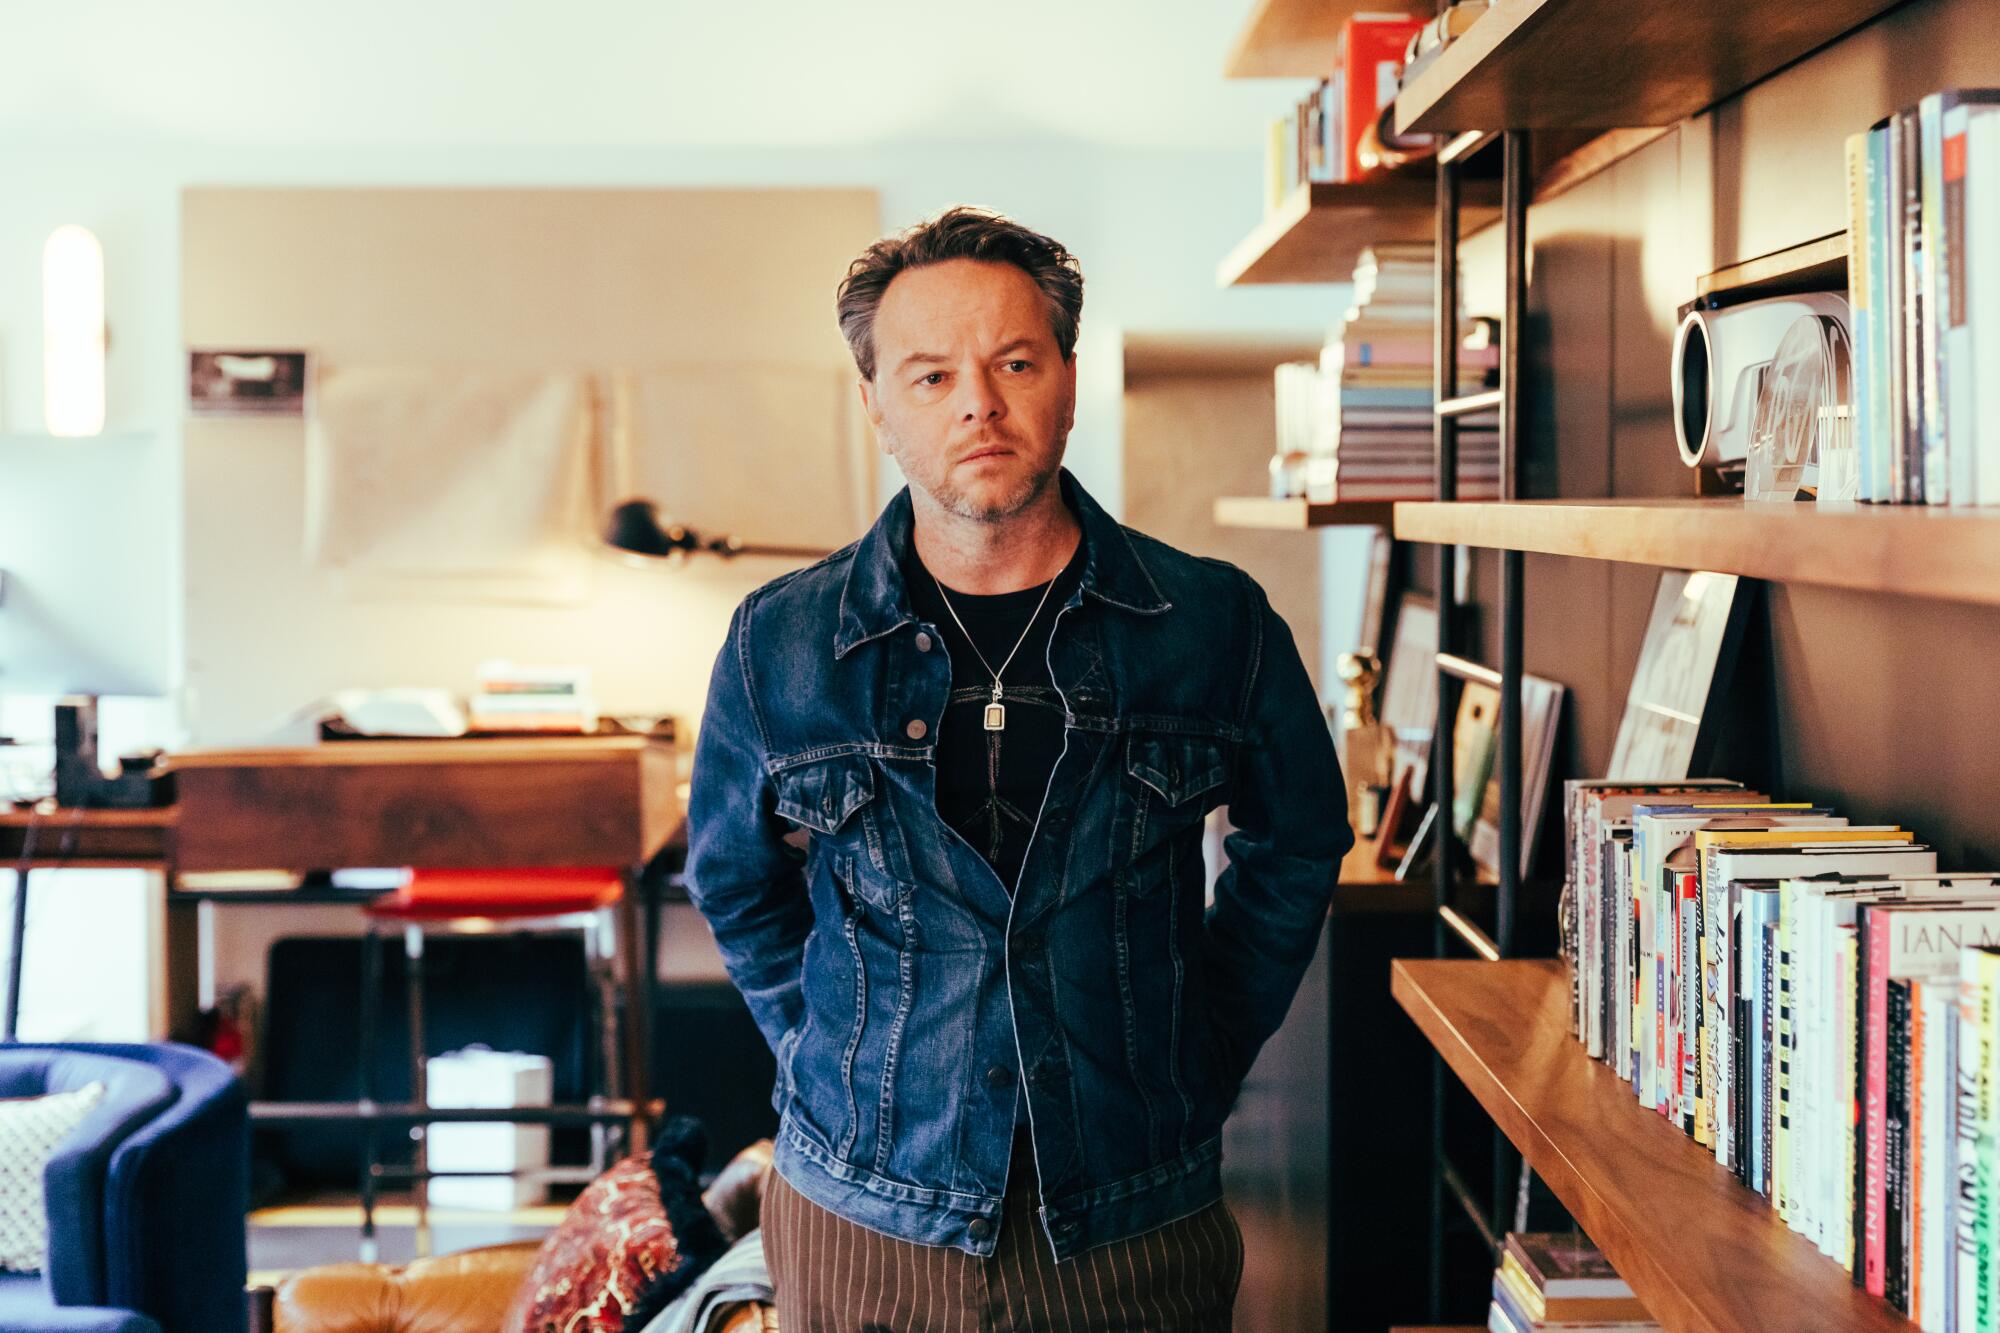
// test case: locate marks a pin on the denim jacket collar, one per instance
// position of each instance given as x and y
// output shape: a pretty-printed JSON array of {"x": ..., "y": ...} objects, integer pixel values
[{"x": 873, "y": 601}]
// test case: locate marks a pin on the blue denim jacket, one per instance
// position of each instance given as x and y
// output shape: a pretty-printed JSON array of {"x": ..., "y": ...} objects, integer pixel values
[{"x": 906, "y": 992}]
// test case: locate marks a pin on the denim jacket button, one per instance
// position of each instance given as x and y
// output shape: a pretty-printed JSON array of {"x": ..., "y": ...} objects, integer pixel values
[
  {"x": 915, "y": 731},
  {"x": 999, "y": 1076},
  {"x": 979, "y": 1228},
  {"x": 923, "y": 642}
]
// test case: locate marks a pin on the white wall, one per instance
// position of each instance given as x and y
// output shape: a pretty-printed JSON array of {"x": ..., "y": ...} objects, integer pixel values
[{"x": 1149, "y": 226}]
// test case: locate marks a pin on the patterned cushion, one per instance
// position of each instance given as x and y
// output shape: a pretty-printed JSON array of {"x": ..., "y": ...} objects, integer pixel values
[
  {"x": 632, "y": 1241},
  {"x": 31, "y": 1129}
]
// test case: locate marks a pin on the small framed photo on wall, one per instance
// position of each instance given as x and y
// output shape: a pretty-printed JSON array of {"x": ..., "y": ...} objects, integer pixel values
[{"x": 247, "y": 383}]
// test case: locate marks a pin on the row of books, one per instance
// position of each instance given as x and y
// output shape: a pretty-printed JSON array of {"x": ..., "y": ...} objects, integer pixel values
[
  {"x": 1924, "y": 287},
  {"x": 1812, "y": 1001},
  {"x": 1319, "y": 140},
  {"x": 1559, "y": 1280}
]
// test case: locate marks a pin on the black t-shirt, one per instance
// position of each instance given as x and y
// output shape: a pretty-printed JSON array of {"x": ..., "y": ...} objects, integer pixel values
[{"x": 990, "y": 784}]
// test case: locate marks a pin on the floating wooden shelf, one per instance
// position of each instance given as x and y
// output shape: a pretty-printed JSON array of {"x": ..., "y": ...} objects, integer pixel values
[
  {"x": 1319, "y": 230},
  {"x": 1251, "y": 511},
  {"x": 1911, "y": 550},
  {"x": 1530, "y": 64},
  {"x": 1699, "y": 1249},
  {"x": 1290, "y": 39}
]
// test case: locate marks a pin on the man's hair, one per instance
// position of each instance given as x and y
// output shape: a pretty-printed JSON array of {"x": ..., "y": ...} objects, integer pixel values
[{"x": 959, "y": 233}]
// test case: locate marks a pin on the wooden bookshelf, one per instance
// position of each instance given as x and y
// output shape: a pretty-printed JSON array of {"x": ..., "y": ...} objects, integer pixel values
[
  {"x": 1319, "y": 230},
  {"x": 1812, "y": 266},
  {"x": 1531, "y": 64},
  {"x": 1910, "y": 550},
  {"x": 1703, "y": 1252},
  {"x": 1290, "y": 39},
  {"x": 1252, "y": 511}
]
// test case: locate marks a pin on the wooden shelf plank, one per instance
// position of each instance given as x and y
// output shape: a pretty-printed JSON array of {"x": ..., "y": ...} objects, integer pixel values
[
  {"x": 1319, "y": 230},
  {"x": 1291, "y": 39},
  {"x": 1253, "y": 511},
  {"x": 1699, "y": 1249},
  {"x": 1532, "y": 64},
  {"x": 1809, "y": 266},
  {"x": 1909, "y": 550}
]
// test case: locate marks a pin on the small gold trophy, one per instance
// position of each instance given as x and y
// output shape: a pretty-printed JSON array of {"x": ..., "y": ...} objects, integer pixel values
[{"x": 1367, "y": 748}]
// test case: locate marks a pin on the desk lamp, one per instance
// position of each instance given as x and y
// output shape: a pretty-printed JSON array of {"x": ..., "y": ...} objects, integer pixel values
[{"x": 635, "y": 527}]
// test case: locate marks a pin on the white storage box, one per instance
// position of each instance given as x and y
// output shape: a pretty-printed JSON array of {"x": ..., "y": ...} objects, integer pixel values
[{"x": 479, "y": 1076}]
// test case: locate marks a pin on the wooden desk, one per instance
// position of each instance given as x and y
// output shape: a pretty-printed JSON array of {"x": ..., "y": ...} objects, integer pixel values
[
  {"x": 570, "y": 800},
  {"x": 87, "y": 839},
  {"x": 584, "y": 800}
]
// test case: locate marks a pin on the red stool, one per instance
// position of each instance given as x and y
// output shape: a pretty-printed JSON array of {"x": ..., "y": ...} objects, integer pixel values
[{"x": 582, "y": 898}]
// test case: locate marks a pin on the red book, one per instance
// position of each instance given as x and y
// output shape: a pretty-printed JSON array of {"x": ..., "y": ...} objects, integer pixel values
[
  {"x": 1875, "y": 1100},
  {"x": 1371, "y": 53}
]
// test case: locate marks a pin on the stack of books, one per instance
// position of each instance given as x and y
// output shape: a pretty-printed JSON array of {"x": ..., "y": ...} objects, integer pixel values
[
  {"x": 1813, "y": 1002},
  {"x": 1923, "y": 273},
  {"x": 510, "y": 697},
  {"x": 1561, "y": 1281},
  {"x": 1378, "y": 441}
]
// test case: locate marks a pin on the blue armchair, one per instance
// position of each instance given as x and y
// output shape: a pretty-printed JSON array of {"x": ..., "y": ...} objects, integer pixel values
[{"x": 146, "y": 1199}]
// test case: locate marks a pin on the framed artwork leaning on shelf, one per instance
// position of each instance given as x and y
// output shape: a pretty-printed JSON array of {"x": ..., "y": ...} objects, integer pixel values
[
  {"x": 1476, "y": 774},
  {"x": 1668, "y": 729}
]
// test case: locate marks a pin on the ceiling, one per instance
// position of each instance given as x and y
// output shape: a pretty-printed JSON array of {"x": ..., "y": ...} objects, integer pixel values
[{"x": 629, "y": 73}]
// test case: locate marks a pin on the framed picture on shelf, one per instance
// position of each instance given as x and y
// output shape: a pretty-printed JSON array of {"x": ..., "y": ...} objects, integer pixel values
[
  {"x": 1476, "y": 747},
  {"x": 1378, "y": 607},
  {"x": 1409, "y": 687},
  {"x": 1668, "y": 730}
]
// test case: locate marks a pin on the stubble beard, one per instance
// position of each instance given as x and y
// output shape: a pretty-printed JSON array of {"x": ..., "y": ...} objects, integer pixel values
[{"x": 953, "y": 500}]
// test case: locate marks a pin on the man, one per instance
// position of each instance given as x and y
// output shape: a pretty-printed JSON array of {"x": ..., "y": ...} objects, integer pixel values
[{"x": 946, "y": 825}]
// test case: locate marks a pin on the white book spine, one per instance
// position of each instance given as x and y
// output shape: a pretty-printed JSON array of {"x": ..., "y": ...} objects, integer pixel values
[
  {"x": 1982, "y": 226},
  {"x": 1965, "y": 1169},
  {"x": 1934, "y": 1144}
]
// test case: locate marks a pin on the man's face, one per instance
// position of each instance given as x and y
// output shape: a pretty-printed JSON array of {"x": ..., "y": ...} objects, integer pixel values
[{"x": 971, "y": 395}]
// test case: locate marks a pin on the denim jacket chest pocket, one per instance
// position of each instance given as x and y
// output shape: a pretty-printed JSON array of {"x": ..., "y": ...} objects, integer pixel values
[
  {"x": 1172, "y": 780},
  {"x": 835, "y": 799}
]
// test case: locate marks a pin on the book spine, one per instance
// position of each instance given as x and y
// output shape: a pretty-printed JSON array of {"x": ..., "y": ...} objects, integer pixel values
[
  {"x": 1985, "y": 1312},
  {"x": 1915, "y": 1165},
  {"x": 1875, "y": 1084},
  {"x": 1721, "y": 1021},
  {"x": 1956, "y": 1243},
  {"x": 1742, "y": 1047},
  {"x": 1687, "y": 1064},
  {"x": 1895, "y": 1142},
  {"x": 1628, "y": 955},
  {"x": 1982, "y": 225},
  {"x": 1956, "y": 369},
  {"x": 1643, "y": 991},
  {"x": 1913, "y": 391},
  {"x": 1847, "y": 975},
  {"x": 1935, "y": 1137},
  {"x": 1767, "y": 968},
  {"x": 1858, "y": 302},
  {"x": 1931, "y": 285},
  {"x": 1883, "y": 294},
  {"x": 1782, "y": 1167}
]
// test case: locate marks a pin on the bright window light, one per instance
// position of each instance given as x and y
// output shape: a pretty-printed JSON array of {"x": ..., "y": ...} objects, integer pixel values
[{"x": 73, "y": 332}]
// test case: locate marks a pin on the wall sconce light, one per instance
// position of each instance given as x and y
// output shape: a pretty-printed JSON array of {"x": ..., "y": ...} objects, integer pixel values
[{"x": 73, "y": 332}]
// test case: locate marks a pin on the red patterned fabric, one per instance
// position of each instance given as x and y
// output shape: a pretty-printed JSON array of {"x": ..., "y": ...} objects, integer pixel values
[{"x": 606, "y": 1263}]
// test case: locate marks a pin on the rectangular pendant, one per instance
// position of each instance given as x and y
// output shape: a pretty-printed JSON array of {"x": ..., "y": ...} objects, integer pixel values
[{"x": 996, "y": 717}]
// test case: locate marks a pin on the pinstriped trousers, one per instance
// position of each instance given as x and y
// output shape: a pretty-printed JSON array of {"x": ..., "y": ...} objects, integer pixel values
[{"x": 835, "y": 1276}]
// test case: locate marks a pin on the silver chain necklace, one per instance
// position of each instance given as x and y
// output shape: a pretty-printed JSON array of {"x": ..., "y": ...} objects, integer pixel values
[{"x": 996, "y": 711}]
